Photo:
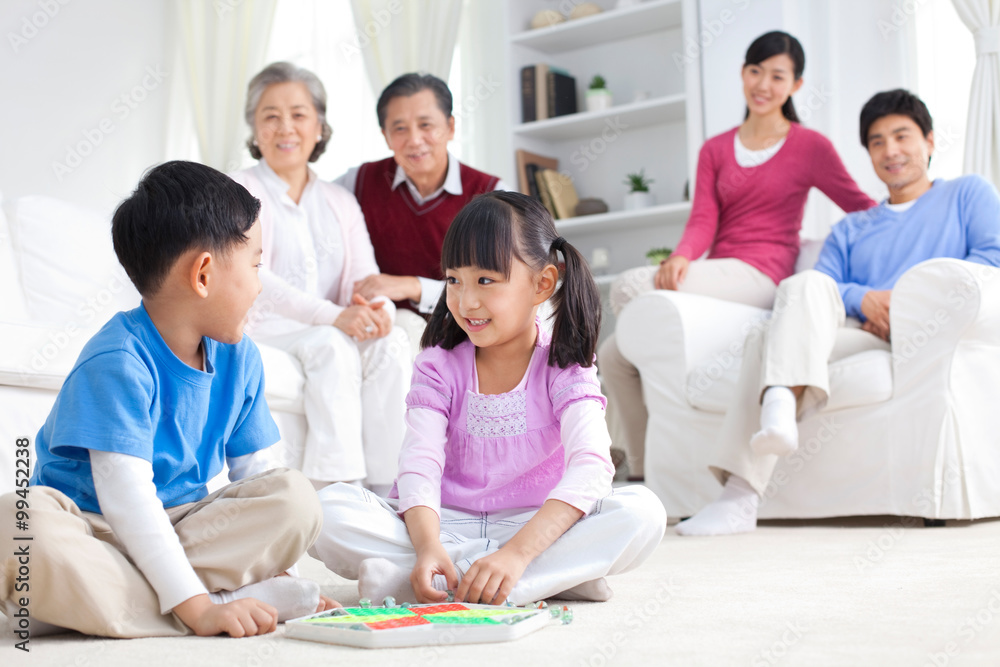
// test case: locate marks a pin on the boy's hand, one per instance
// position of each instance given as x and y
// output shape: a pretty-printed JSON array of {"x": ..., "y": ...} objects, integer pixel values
[
  {"x": 240, "y": 618},
  {"x": 434, "y": 560},
  {"x": 326, "y": 604},
  {"x": 491, "y": 578}
]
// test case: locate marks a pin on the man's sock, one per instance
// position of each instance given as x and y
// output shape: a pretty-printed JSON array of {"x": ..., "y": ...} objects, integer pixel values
[
  {"x": 779, "y": 433},
  {"x": 291, "y": 596},
  {"x": 734, "y": 512},
  {"x": 378, "y": 578},
  {"x": 595, "y": 590}
]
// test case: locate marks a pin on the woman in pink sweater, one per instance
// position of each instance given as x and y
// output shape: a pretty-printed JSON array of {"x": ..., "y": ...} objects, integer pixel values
[{"x": 752, "y": 185}]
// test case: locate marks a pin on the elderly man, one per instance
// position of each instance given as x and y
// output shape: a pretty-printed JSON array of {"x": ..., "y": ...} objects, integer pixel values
[
  {"x": 410, "y": 199},
  {"x": 844, "y": 304}
]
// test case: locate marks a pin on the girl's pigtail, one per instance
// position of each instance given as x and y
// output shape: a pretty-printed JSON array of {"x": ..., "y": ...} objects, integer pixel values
[{"x": 577, "y": 305}]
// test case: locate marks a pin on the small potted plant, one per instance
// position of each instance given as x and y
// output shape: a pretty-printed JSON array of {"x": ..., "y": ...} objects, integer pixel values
[
  {"x": 598, "y": 96},
  {"x": 638, "y": 195},
  {"x": 656, "y": 256}
]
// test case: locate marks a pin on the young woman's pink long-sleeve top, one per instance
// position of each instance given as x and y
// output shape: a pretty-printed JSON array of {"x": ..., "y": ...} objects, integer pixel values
[{"x": 754, "y": 213}]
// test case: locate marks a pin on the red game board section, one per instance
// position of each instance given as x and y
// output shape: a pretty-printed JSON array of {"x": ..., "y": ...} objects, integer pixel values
[
  {"x": 398, "y": 623},
  {"x": 439, "y": 609}
]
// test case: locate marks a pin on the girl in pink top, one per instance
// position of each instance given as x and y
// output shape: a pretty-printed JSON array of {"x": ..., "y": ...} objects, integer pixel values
[
  {"x": 506, "y": 449},
  {"x": 752, "y": 186}
]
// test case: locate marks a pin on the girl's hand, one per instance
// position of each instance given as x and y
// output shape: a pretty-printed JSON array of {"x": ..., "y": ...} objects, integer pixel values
[
  {"x": 672, "y": 273},
  {"x": 434, "y": 560},
  {"x": 491, "y": 578}
]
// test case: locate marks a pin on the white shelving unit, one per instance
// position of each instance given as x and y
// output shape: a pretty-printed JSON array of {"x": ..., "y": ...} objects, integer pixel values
[{"x": 643, "y": 51}]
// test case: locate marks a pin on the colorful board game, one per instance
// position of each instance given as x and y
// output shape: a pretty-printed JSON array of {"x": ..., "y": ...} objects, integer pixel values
[{"x": 418, "y": 625}]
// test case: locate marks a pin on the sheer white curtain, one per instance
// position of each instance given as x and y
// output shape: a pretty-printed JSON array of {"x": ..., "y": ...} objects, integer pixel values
[
  {"x": 224, "y": 45},
  {"x": 414, "y": 36},
  {"x": 982, "y": 147}
]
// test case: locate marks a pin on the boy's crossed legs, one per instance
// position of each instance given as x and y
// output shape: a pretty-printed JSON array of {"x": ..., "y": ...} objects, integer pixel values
[{"x": 247, "y": 532}]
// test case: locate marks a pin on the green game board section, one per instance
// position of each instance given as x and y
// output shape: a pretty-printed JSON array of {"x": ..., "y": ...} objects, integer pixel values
[{"x": 361, "y": 615}]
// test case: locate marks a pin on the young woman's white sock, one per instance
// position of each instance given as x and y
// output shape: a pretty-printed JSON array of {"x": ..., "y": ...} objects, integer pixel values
[
  {"x": 779, "y": 433},
  {"x": 291, "y": 596},
  {"x": 734, "y": 512}
]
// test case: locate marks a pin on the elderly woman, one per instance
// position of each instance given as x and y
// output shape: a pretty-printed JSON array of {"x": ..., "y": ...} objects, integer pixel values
[
  {"x": 410, "y": 199},
  {"x": 316, "y": 247}
]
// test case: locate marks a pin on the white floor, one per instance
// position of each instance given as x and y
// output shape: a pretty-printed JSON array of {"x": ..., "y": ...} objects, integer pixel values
[{"x": 877, "y": 591}]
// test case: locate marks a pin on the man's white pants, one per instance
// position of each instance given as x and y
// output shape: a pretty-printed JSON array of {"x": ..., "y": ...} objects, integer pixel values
[
  {"x": 808, "y": 329},
  {"x": 620, "y": 533},
  {"x": 354, "y": 402}
]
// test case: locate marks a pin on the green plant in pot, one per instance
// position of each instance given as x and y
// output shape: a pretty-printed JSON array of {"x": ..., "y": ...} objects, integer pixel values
[
  {"x": 657, "y": 255},
  {"x": 638, "y": 195},
  {"x": 598, "y": 95}
]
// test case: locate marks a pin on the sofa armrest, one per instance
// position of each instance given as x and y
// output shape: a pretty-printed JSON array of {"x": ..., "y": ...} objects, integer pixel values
[
  {"x": 946, "y": 310},
  {"x": 687, "y": 329},
  {"x": 39, "y": 355}
]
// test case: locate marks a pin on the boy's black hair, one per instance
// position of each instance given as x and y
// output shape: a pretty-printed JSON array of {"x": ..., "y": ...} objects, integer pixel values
[
  {"x": 493, "y": 230},
  {"x": 891, "y": 103},
  {"x": 175, "y": 207},
  {"x": 773, "y": 44}
]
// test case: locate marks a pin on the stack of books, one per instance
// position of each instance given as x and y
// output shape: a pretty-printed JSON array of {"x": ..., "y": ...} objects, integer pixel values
[
  {"x": 540, "y": 178},
  {"x": 546, "y": 92}
]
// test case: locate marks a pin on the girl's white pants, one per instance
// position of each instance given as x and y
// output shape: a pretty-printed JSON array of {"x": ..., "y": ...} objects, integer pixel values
[{"x": 621, "y": 532}]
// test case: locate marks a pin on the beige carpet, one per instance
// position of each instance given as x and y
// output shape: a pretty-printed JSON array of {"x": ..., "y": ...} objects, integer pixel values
[{"x": 877, "y": 591}]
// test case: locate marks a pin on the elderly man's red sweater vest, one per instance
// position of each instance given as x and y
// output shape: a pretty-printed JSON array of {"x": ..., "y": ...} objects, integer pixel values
[{"x": 407, "y": 236}]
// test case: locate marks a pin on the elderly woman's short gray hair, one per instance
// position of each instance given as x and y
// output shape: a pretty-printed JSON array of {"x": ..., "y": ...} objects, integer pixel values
[{"x": 282, "y": 72}]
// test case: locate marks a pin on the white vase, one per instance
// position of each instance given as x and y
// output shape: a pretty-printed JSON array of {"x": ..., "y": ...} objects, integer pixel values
[
  {"x": 636, "y": 200},
  {"x": 598, "y": 99}
]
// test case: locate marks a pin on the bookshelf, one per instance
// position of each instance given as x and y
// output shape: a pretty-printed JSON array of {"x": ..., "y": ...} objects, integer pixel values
[{"x": 645, "y": 54}]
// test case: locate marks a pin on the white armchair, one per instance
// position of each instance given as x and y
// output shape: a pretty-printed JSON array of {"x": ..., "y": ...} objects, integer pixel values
[
  {"x": 59, "y": 283},
  {"x": 914, "y": 432}
]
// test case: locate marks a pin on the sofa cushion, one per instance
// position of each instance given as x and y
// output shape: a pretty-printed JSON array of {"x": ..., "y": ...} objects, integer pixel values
[
  {"x": 67, "y": 264},
  {"x": 860, "y": 379},
  {"x": 284, "y": 381},
  {"x": 12, "y": 306}
]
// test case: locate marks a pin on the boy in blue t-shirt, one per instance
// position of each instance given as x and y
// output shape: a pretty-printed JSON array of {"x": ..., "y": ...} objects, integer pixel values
[{"x": 126, "y": 541}]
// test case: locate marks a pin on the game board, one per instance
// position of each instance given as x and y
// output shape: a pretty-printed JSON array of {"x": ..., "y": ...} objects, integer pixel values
[{"x": 418, "y": 625}]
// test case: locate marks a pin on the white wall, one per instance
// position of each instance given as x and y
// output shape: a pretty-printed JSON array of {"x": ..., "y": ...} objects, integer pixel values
[{"x": 85, "y": 96}]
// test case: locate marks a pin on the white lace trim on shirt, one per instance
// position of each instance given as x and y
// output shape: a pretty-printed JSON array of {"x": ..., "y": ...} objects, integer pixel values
[{"x": 497, "y": 415}]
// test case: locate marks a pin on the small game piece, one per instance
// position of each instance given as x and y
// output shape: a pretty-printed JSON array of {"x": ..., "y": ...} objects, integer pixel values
[
  {"x": 567, "y": 615},
  {"x": 364, "y": 603},
  {"x": 542, "y": 605},
  {"x": 388, "y": 602},
  {"x": 451, "y": 595},
  {"x": 406, "y": 605},
  {"x": 555, "y": 612}
]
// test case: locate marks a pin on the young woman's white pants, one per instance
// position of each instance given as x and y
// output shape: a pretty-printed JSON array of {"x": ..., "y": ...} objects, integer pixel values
[
  {"x": 354, "y": 402},
  {"x": 728, "y": 279},
  {"x": 621, "y": 532}
]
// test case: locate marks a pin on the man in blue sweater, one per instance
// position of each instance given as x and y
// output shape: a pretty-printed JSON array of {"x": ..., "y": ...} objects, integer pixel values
[{"x": 842, "y": 307}]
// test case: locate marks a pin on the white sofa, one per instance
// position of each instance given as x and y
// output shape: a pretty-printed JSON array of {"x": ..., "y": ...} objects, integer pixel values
[
  {"x": 914, "y": 432},
  {"x": 59, "y": 283}
]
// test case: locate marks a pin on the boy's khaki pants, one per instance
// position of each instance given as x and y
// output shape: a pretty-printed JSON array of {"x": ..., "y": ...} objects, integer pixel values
[{"x": 78, "y": 576}]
